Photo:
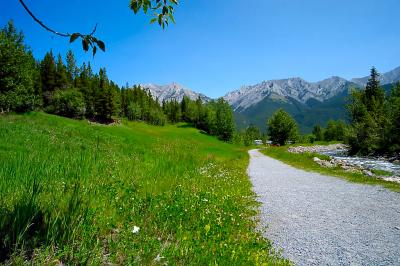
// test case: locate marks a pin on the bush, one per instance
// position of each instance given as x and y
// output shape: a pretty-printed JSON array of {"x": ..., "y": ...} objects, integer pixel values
[
  {"x": 282, "y": 128},
  {"x": 134, "y": 111},
  {"x": 68, "y": 103}
]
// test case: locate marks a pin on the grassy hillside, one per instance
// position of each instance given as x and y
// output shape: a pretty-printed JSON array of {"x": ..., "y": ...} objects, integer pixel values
[{"x": 78, "y": 193}]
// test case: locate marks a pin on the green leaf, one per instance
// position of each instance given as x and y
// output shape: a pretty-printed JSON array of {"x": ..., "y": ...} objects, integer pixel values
[
  {"x": 153, "y": 20},
  {"x": 101, "y": 45},
  {"x": 94, "y": 50},
  {"x": 85, "y": 45},
  {"x": 74, "y": 37}
]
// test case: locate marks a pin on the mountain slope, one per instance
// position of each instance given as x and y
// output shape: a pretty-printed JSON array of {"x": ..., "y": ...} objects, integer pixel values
[
  {"x": 385, "y": 78},
  {"x": 309, "y": 103}
]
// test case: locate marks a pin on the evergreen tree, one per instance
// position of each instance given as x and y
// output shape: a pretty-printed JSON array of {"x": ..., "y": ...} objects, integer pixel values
[
  {"x": 335, "y": 130},
  {"x": 104, "y": 97},
  {"x": 368, "y": 119},
  {"x": 392, "y": 144},
  {"x": 61, "y": 78},
  {"x": 72, "y": 69},
  {"x": 317, "y": 132},
  {"x": 48, "y": 77},
  {"x": 17, "y": 72}
]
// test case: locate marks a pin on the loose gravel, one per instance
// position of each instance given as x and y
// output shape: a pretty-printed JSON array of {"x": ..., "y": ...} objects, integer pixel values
[{"x": 321, "y": 220}]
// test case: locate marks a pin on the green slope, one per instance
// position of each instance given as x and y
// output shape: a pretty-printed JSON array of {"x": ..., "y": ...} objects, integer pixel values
[{"x": 74, "y": 193}]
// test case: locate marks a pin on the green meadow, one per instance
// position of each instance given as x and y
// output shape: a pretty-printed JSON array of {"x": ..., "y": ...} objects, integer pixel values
[{"x": 73, "y": 192}]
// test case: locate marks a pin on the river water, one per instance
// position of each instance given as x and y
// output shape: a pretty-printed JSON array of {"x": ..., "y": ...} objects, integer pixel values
[{"x": 364, "y": 162}]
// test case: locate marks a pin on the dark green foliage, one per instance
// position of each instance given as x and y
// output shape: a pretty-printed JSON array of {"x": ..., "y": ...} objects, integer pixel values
[
  {"x": 68, "y": 103},
  {"x": 72, "y": 68},
  {"x": 368, "y": 119},
  {"x": 17, "y": 72},
  {"x": 172, "y": 110},
  {"x": 75, "y": 92},
  {"x": 138, "y": 104},
  {"x": 392, "y": 132},
  {"x": 251, "y": 133},
  {"x": 104, "y": 97},
  {"x": 335, "y": 130},
  {"x": 61, "y": 80},
  {"x": 48, "y": 76},
  {"x": 306, "y": 115},
  {"x": 318, "y": 133},
  {"x": 163, "y": 11},
  {"x": 282, "y": 128},
  {"x": 224, "y": 124}
]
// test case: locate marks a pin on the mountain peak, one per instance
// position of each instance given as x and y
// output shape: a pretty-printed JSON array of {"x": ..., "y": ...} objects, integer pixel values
[
  {"x": 390, "y": 77},
  {"x": 173, "y": 91}
]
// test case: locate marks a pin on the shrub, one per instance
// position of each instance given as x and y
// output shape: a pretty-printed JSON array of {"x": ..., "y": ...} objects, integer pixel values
[{"x": 68, "y": 103}]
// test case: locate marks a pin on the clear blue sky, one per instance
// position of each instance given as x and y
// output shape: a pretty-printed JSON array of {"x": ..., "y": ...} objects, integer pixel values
[{"x": 220, "y": 45}]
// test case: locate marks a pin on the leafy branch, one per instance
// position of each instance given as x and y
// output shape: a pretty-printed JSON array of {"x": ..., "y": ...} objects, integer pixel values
[
  {"x": 87, "y": 39},
  {"x": 163, "y": 12}
]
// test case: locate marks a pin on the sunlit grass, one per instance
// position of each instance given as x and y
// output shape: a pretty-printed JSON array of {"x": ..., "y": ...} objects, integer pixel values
[{"x": 78, "y": 193}]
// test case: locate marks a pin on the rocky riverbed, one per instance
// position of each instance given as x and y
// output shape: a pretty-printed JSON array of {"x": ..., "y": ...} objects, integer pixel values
[{"x": 338, "y": 158}]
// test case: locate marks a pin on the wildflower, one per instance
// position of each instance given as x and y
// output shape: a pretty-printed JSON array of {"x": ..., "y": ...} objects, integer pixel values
[
  {"x": 135, "y": 229},
  {"x": 158, "y": 258}
]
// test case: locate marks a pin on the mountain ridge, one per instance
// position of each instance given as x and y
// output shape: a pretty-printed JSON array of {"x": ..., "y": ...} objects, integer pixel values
[{"x": 309, "y": 103}]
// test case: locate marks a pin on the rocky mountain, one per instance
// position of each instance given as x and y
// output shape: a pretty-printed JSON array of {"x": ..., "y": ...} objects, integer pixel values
[
  {"x": 309, "y": 103},
  {"x": 385, "y": 78},
  {"x": 285, "y": 90},
  {"x": 173, "y": 91}
]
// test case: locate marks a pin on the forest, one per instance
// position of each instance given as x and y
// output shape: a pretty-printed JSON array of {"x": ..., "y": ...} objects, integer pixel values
[{"x": 63, "y": 88}]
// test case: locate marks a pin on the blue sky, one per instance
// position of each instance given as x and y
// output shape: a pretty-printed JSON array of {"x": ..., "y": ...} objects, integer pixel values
[{"x": 220, "y": 45}]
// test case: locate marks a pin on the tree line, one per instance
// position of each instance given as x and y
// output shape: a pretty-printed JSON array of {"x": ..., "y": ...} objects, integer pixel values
[
  {"x": 375, "y": 119},
  {"x": 61, "y": 87},
  {"x": 373, "y": 127}
]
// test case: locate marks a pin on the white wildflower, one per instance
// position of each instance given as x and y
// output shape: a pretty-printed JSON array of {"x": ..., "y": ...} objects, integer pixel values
[
  {"x": 135, "y": 229},
  {"x": 158, "y": 258}
]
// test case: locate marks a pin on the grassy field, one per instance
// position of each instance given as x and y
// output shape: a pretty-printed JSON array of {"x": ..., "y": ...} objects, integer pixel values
[
  {"x": 305, "y": 161},
  {"x": 78, "y": 193}
]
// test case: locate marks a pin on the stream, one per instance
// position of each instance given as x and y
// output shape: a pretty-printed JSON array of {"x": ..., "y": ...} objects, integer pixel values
[{"x": 364, "y": 162}]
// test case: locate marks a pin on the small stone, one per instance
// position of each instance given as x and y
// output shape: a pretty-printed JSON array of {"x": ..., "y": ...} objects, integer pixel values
[
  {"x": 316, "y": 159},
  {"x": 368, "y": 173}
]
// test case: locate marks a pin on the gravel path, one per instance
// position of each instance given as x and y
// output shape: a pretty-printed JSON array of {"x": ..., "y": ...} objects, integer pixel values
[{"x": 322, "y": 220}]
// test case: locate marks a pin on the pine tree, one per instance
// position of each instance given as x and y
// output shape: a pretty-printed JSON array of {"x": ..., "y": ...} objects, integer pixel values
[
  {"x": 317, "y": 132},
  {"x": 17, "y": 72},
  {"x": 61, "y": 79},
  {"x": 48, "y": 77},
  {"x": 368, "y": 119},
  {"x": 393, "y": 126},
  {"x": 72, "y": 69}
]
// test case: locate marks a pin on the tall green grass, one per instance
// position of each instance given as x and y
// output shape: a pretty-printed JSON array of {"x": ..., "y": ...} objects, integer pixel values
[{"x": 73, "y": 192}]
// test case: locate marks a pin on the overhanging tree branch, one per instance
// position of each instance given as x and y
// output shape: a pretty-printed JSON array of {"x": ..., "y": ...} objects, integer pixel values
[
  {"x": 163, "y": 14},
  {"x": 87, "y": 39}
]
